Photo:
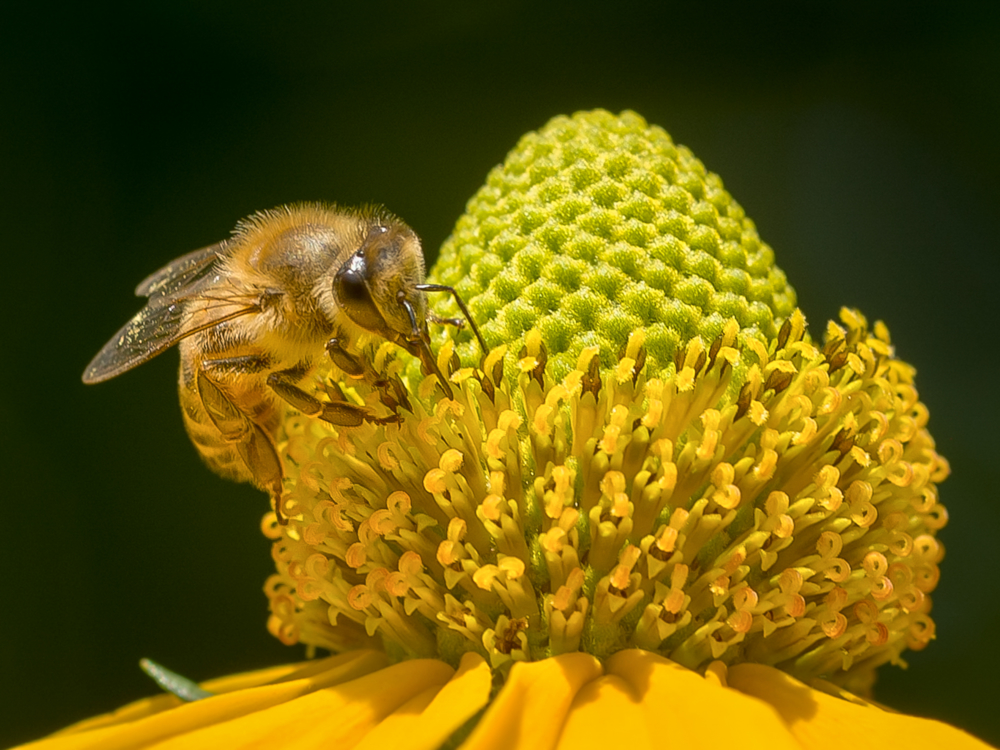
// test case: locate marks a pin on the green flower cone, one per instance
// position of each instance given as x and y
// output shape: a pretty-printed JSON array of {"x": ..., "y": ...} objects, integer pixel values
[{"x": 598, "y": 225}]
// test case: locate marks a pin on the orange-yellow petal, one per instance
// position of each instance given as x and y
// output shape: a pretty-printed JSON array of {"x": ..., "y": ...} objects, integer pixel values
[
  {"x": 606, "y": 714},
  {"x": 820, "y": 721},
  {"x": 148, "y": 706},
  {"x": 133, "y": 726},
  {"x": 338, "y": 716},
  {"x": 683, "y": 709},
  {"x": 426, "y": 721},
  {"x": 530, "y": 710}
]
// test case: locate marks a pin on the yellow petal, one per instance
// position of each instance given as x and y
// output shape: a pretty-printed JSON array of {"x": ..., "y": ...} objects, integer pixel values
[
  {"x": 606, "y": 714},
  {"x": 821, "y": 721},
  {"x": 530, "y": 710},
  {"x": 338, "y": 716},
  {"x": 121, "y": 731},
  {"x": 230, "y": 683},
  {"x": 427, "y": 720},
  {"x": 685, "y": 710}
]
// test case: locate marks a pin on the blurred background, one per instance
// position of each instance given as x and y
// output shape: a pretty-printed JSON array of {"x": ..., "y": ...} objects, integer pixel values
[{"x": 862, "y": 140}]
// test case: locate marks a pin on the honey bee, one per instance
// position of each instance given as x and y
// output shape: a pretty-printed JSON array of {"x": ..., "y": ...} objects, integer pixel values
[{"x": 252, "y": 315}]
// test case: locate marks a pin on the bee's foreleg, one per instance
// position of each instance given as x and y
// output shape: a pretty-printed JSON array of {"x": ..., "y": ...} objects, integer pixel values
[
  {"x": 353, "y": 365},
  {"x": 340, "y": 413},
  {"x": 461, "y": 306},
  {"x": 343, "y": 359},
  {"x": 458, "y": 323},
  {"x": 394, "y": 395},
  {"x": 250, "y": 441}
]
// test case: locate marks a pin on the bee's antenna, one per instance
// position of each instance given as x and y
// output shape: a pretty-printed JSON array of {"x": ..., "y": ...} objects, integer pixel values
[{"x": 461, "y": 304}]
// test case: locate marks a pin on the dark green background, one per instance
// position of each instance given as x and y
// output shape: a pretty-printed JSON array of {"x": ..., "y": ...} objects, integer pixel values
[{"x": 862, "y": 141}]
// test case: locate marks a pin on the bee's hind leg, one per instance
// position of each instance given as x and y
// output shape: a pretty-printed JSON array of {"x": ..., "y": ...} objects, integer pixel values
[{"x": 248, "y": 438}]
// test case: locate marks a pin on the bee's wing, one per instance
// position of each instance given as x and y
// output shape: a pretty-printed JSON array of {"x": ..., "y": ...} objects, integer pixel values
[
  {"x": 180, "y": 272},
  {"x": 160, "y": 324},
  {"x": 154, "y": 329}
]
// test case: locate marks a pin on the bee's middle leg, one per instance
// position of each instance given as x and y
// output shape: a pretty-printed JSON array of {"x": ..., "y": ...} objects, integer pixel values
[{"x": 340, "y": 413}]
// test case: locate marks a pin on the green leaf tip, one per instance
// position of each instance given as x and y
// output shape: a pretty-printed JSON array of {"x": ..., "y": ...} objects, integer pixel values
[{"x": 598, "y": 224}]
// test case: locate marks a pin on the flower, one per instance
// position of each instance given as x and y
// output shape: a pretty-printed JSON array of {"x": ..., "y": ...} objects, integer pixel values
[{"x": 655, "y": 512}]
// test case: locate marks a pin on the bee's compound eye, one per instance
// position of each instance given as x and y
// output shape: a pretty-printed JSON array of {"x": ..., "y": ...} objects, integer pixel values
[{"x": 354, "y": 297}]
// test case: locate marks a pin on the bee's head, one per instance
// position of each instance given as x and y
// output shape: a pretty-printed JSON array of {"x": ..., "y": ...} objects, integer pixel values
[{"x": 376, "y": 287}]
